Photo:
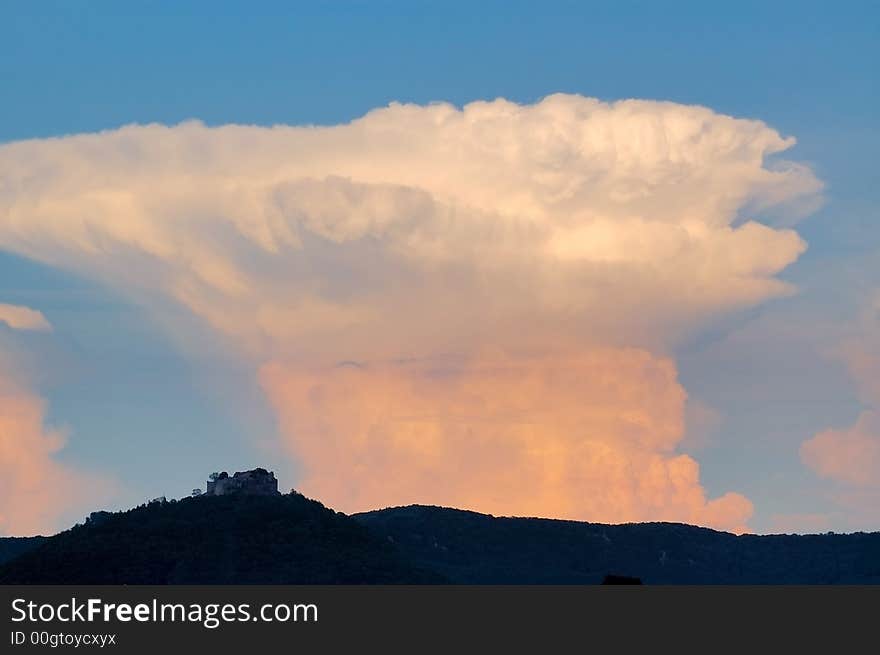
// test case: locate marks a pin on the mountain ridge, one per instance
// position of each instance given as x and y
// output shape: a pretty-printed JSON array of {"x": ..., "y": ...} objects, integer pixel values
[
  {"x": 291, "y": 539},
  {"x": 473, "y": 548},
  {"x": 228, "y": 539}
]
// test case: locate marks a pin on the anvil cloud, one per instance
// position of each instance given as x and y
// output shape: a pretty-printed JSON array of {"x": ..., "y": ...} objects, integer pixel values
[{"x": 468, "y": 306}]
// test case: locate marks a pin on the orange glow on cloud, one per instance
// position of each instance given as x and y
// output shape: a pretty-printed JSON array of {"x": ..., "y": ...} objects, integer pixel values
[
  {"x": 852, "y": 455},
  {"x": 849, "y": 455},
  {"x": 35, "y": 488},
  {"x": 588, "y": 435},
  {"x": 23, "y": 318}
]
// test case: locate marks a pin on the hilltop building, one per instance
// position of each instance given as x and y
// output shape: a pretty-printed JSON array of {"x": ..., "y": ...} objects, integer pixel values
[
  {"x": 97, "y": 518},
  {"x": 256, "y": 482}
]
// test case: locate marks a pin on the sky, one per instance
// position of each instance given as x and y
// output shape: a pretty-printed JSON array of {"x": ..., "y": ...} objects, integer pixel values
[{"x": 600, "y": 261}]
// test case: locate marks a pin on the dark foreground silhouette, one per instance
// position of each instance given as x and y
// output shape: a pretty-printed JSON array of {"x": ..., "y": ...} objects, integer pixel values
[
  {"x": 476, "y": 548},
  {"x": 11, "y": 547},
  {"x": 235, "y": 539},
  {"x": 240, "y": 539}
]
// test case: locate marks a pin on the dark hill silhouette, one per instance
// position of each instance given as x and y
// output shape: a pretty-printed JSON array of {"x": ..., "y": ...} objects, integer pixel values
[
  {"x": 11, "y": 547},
  {"x": 240, "y": 539},
  {"x": 236, "y": 539},
  {"x": 473, "y": 548}
]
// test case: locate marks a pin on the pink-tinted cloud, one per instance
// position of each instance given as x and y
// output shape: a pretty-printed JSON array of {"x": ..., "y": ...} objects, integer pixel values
[
  {"x": 23, "y": 318},
  {"x": 850, "y": 455},
  {"x": 587, "y": 435},
  {"x": 36, "y": 489}
]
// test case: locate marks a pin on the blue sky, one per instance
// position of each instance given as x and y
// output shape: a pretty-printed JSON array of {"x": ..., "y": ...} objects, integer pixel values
[{"x": 133, "y": 396}]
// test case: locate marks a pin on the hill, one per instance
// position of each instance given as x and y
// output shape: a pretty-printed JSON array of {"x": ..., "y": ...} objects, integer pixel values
[
  {"x": 247, "y": 539},
  {"x": 11, "y": 547},
  {"x": 472, "y": 548},
  {"x": 234, "y": 539}
]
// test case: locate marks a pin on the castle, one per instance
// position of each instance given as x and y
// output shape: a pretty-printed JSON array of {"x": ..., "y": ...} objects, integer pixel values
[{"x": 256, "y": 482}]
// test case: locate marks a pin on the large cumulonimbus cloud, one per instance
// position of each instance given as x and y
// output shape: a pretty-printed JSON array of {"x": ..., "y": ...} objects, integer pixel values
[{"x": 464, "y": 306}]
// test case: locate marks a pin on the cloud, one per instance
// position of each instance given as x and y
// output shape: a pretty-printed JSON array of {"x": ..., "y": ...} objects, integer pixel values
[
  {"x": 23, "y": 318},
  {"x": 588, "y": 435},
  {"x": 37, "y": 491},
  {"x": 852, "y": 455},
  {"x": 570, "y": 230},
  {"x": 616, "y": 220}
]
